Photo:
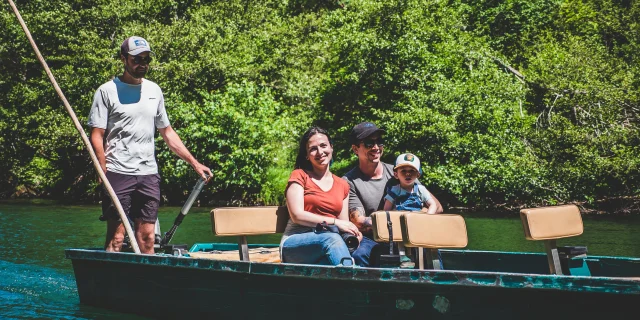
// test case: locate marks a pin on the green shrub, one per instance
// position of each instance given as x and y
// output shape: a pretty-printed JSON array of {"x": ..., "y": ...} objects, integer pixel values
[
  {"x": 240, "y": 134},
  {"x": 507, "y": 103}
]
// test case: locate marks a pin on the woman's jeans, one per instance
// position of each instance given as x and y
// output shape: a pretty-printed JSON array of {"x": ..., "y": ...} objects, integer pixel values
[{"x": 325, "y": 248}]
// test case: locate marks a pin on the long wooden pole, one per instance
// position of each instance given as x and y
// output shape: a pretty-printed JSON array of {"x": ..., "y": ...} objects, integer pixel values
[{"x": 85, "y": 139}]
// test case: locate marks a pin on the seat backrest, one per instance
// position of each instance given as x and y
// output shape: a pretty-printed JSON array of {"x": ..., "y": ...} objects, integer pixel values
[
  {"x": 433, "y": 230},
  {"x": 380, "y": 229},
  {"x": 246, "y": 221},
  {"x": 553, "y": 222}
]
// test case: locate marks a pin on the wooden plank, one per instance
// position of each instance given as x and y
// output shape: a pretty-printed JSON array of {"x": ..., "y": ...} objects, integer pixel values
[{"x": 257, "y": 255}]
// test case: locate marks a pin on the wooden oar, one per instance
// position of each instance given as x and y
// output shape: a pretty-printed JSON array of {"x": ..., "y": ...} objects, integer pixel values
[{"x": 96, "y": 164}]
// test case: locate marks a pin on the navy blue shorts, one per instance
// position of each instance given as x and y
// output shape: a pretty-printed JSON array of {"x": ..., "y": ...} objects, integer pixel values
[{"x": 139, "y": 196}]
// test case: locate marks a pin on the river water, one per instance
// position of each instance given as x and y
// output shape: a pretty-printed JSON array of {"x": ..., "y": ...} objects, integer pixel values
[{"x": 37, "y": 282}]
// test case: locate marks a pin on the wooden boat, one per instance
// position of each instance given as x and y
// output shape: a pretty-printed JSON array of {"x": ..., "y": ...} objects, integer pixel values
[{"x": 473, "y": 284}]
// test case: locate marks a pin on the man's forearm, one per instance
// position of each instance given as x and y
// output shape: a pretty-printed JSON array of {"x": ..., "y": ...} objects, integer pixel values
[
  {"x": 97, "y": 142},
  {"x": 357, "y": 217},
  {"x": 181, "y": 151},
  {"x": 177, "y": 146}
]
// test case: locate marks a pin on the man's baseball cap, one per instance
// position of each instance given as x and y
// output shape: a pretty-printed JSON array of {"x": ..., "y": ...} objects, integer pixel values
[
  {"x": 135, "y": 46},
  {"x": 407, "y": 160},
  {"x": 363, "y": 130}
]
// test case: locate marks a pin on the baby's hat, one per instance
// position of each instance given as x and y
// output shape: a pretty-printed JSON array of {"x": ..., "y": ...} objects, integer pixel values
[{"x": 407, "y": 159}]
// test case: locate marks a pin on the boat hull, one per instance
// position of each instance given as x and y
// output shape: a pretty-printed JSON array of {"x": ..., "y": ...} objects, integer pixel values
[{"x": 164, "y": 286}]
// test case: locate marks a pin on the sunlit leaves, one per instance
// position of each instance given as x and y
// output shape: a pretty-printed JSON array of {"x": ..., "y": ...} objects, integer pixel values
[{"x": 506, "y": 102}]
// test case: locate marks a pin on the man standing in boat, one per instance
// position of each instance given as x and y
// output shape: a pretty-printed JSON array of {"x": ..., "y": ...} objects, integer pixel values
[
  {"x": 368, "y": 184},
  {"x": 124, "y": 115}
]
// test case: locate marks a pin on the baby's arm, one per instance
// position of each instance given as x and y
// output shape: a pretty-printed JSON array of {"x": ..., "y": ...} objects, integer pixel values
[
  {"x": 389, "y": 201},
  {"x": 432, "y": 206},
  {"x": 388, "y": 205}
]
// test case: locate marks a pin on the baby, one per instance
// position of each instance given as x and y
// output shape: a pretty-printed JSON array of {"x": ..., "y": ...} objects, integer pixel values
[{"x": 408, "y": 195}]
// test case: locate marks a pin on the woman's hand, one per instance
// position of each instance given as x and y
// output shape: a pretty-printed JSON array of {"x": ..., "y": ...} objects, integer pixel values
[
  {"x": 345, "y": 223},
  {"x": 347, "y": 226}
]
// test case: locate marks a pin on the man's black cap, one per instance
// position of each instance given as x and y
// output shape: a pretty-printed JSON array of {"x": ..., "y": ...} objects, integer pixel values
[{"x": 363, "y": 130}]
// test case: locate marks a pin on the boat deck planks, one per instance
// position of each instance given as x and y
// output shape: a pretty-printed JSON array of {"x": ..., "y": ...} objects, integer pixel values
[{"x": 257, "y": 255}]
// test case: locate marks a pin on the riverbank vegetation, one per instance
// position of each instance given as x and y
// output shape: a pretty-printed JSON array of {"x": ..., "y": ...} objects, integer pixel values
[{"x": 507, "y": 103}]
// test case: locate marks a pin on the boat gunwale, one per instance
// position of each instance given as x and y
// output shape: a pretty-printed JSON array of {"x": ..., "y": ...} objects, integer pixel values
[{"x": 463, "y": 278}]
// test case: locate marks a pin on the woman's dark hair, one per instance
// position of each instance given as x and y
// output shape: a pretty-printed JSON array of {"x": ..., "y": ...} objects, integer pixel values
[{"x": 301, "y": 160}]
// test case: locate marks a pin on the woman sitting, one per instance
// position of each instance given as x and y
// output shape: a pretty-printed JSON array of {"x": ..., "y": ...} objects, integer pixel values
[{"x": 315, "y": 196}]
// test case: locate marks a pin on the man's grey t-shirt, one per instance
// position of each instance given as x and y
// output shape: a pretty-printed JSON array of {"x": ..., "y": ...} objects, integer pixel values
[
  {"x": 130, "y": 115},
  {"x": 366, "y": 192}
]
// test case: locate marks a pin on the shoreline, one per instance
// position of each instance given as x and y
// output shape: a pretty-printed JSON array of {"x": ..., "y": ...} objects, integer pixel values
[{"x": 613, "y": 207}]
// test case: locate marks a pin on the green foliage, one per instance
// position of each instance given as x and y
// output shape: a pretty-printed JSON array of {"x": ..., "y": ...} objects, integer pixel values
[
  {"x": 273, "y": 189},
  {"x": 440, "y": 94},
  {"x": 241, "y": 133},
  {"x": 507, "y": 103},
  {"x": 585, "y": 127},
  {"x": 511, "y": 25}
]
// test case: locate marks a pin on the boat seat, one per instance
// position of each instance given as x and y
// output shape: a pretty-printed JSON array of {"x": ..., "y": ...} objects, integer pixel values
[
  {"x": 381, "y": 234},
  {"x": 556, "y": 222},
  {"x": 432, "y": 232},
  {"x": 380, "y": 229},
  {"x": 247, "y": 221}
]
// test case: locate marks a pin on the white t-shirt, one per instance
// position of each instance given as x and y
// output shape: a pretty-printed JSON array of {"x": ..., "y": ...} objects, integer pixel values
[{"x": 130, "y": 115}]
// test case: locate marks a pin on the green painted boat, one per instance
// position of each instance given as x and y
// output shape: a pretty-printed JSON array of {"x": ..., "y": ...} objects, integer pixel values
[
  {"x": 499, "y": 285},
  {"x": 563, "y": 283}
]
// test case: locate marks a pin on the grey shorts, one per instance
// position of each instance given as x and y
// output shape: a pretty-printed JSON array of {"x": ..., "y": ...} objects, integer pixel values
[{"x": 139, "y": 196}]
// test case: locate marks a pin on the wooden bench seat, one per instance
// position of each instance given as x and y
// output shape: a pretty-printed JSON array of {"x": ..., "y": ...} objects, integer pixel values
[
  {"x": 415, "y": 230},
  {"x": 421, "y": 230},
  {"x": 549, "y": 224},
  {"x": 433, "y": 232},
  {"x": 247, "y": 221},
  {"x": 380, "y": 229}
]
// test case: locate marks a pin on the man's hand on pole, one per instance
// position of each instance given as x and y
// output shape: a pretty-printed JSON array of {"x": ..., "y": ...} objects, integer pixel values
[{"x": 203, "y": 171}]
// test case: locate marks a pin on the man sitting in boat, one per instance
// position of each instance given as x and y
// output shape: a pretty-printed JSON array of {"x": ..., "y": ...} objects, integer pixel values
[
  {"x": 127, "y": 110},
  {"x": 368, "y": 183},
  {"x": 316, "y": 197}
]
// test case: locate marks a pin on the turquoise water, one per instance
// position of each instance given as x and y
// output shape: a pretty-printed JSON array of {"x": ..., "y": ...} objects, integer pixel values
[{"x": 36, "y": 281}]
